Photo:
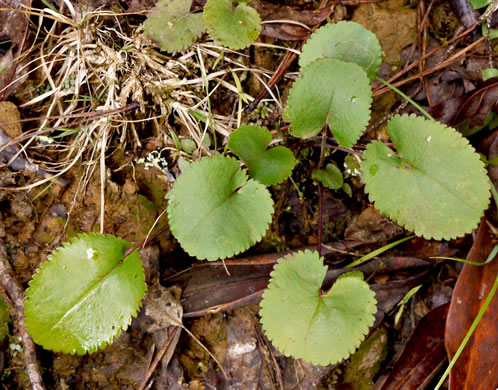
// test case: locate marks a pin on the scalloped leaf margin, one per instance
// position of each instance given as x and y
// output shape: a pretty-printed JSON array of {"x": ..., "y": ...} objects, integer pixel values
[
  {"x": 436, "y": 185},
  {"x": 346, "y": 41},
  {"x": 85, "y": 294},
  {"x": 234, "y": 26},
  {"x": 305, "y": 323},
  {"x": 333, "y": 92},
  {"x": 172, "y": 25},
  {"x": 270, "y": 166},
  {"x": 214, "y": 210}
]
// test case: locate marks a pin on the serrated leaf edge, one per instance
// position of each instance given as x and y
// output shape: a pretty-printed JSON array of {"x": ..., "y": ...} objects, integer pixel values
[
  {"x": 362, "y": 330},
  {"x": 49, "y": 262},
  {"x": 169, "y": 49},
  {"x": 315, "y": 36},
  {"x": 300, "y": 79},
  {"x": 174, "y": 224},
  {"x": 212, "y": 29},
  {"x": 395, "y": 217}
]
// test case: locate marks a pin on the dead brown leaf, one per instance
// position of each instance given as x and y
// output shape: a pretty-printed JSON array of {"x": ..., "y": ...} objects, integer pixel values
[
  {"x": 474, "y": 106},
  {"x": 12, "y": 27},
  {"x": 476, "y": 367},
  {"x": 371, "y": 226},
  {"x": 421, "y": 357}
]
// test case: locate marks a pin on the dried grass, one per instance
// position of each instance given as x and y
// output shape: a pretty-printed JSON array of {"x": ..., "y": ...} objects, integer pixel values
[{"x": 93, "y": 66}]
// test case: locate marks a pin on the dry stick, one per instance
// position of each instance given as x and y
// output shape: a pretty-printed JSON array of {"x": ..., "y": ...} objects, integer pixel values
[
  {"x": 85, "y": 115},
  {"x": 277, "y": 373},
  {"x": 146, "y": 241},
  {"x": 423, "y": 46},
  {"x": 449, "y": 61},
  {"x": 320, "y": 218},
  {"x": 289, "y": 58},
  {"x": 320, "y": 195},
  {"x": 158, "y": 358},
  {"x": 452, "y": 42},
  {"x": 380, "y": 90},
  {"x": 16, "y": 294},
  {"x": 21, "y": 49}
]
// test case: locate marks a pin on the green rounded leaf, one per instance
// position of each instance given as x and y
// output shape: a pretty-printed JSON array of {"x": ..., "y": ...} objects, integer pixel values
[
  {"x": 303, "y": 322},
  {"x": 85, "y": 294},
  {"x": 346, "y": 41},
  {"x": 215, "y": 211},
  {"x": 333, "y": 92},
  {"x": 173, "y": 26},
  {"x": 435, "y": 186},
  {"x": 330, "y": 177},
  {"x": 269, "y": 167},
  {"x": 235, "y": 26}
]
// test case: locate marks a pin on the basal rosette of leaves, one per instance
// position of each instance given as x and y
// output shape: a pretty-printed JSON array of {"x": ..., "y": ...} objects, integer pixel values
[
  {"x": 304, "y": 322},
  {"x": 268, "y": 166},
  {"x": 215, "y": 211},
  {"x": 333, "y": 92},
  {"x": 230, "y": 24},
  {"x": 434, "y": 185},
  {"x": 173, "y": 26},
  {"x": 346, "y": 41},
  {"x": 85, "y": 294}
]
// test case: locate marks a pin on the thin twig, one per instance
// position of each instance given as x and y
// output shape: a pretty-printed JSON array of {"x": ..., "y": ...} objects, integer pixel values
[
  {"x": 158, "y": 357},
  {"x": 146, "y": 241},
  {"x": 320, "y": 218},
  {"x": 285, "y": 64},
  {"x": 16, "y": 294}
]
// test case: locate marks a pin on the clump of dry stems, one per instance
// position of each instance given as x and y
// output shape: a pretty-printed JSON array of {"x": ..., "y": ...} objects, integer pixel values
[{"x": 104, "y": 84}]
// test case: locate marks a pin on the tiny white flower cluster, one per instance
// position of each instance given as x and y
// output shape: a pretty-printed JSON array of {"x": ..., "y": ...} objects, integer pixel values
[
  {"x": 154, "y": 159},
  {"x": 44, "y": 139},
  {"x": 352, "y": 172}
]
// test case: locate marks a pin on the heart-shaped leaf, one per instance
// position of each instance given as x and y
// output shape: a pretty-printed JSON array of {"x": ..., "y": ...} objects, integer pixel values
[
  {"x": 269, "y": 167},
  {"x": 435, "y": 186},
  {"x": 333, "y": 92},
  {"x": 85, "y": 294},
  {"x": 215, "y": 211},
  {"x": 235, "y": 26},
  {"x": 346, "y": 41},
  {"x": 173, "y": 26},
  {"x": 330, "y": 177},
  {"x": 303, "y": 322}
]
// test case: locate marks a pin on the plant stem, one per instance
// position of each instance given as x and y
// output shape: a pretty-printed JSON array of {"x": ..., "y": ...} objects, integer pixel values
[
  {"x": 377, "y": 252},
  {"x": 428, "y": 116},
  {"x": 320, "y": 217},
  {"x": 146, "y": 242}
]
